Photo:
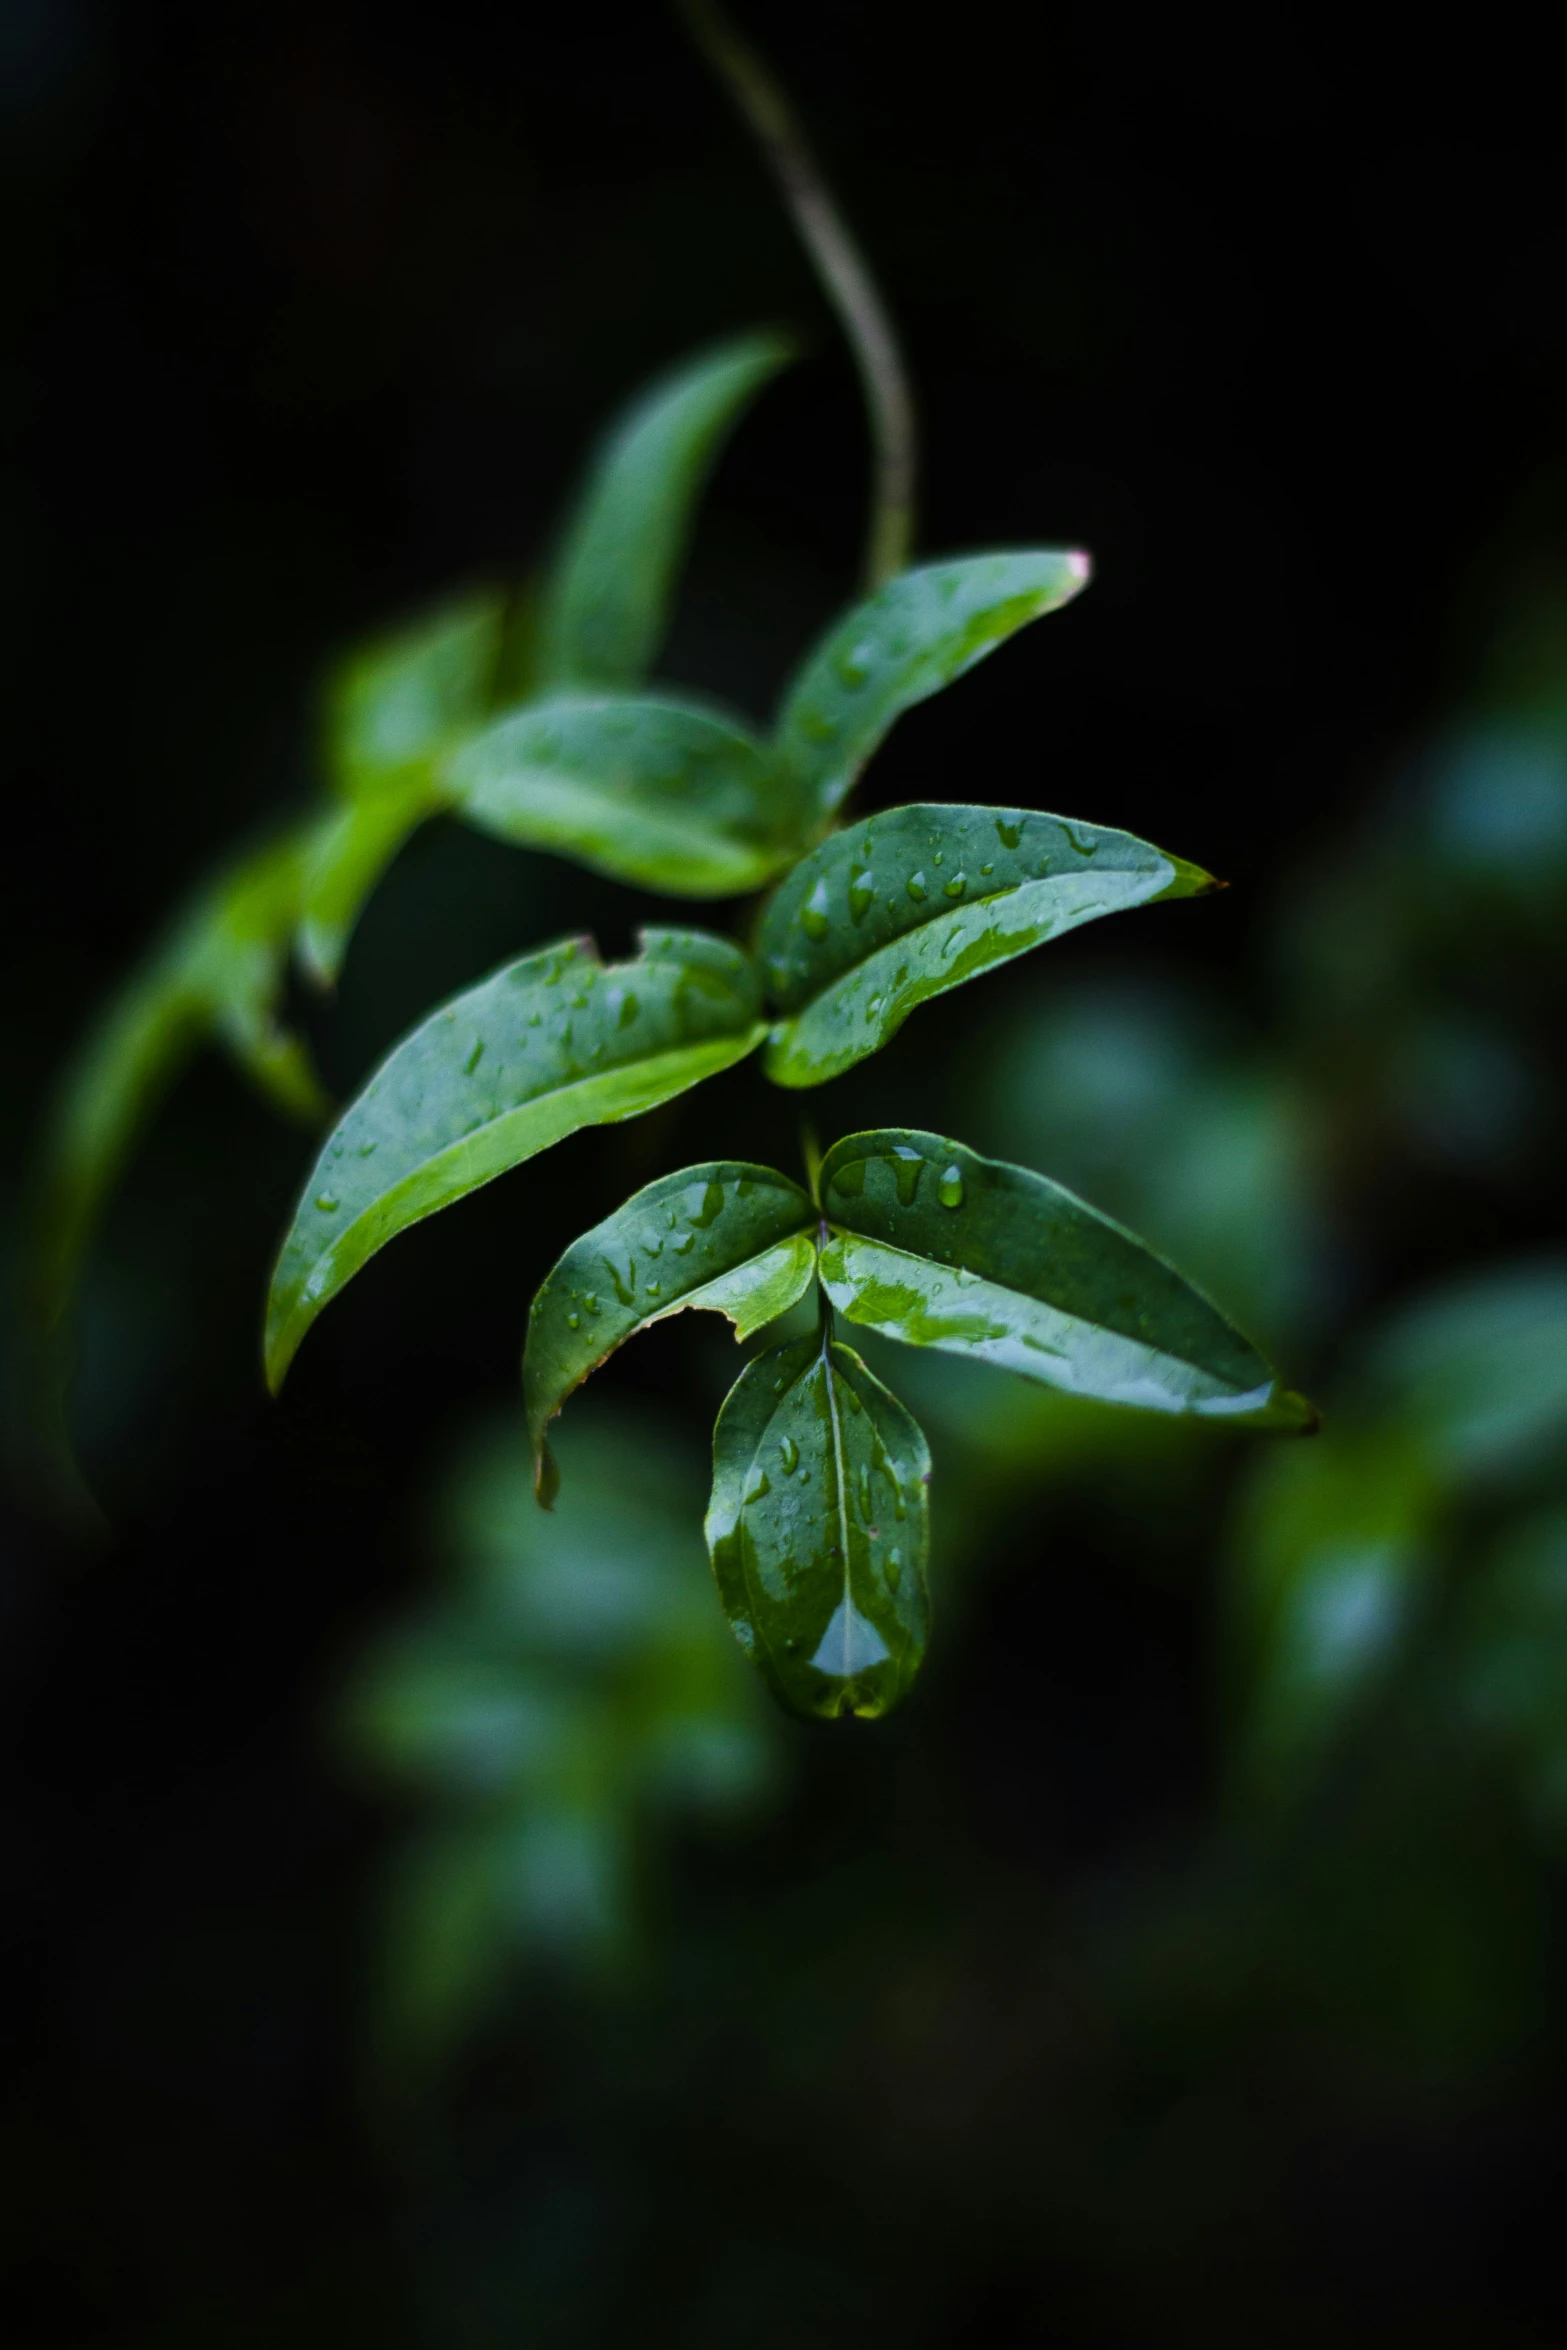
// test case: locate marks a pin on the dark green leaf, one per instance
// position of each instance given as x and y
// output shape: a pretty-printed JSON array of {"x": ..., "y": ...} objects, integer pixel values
[
  {"x": 727, "y": 1236},
  {"x": 605, "y": 607},
  {"x": 396, "y": 708},
  {"x": 903, "y": 906},
  {"x": 552, "y": 1042},
  {"x": 350, "y": 851},
  {"x": 937, "y": 1246},
  {"x": 652, "y": 791},
  {"x": 818, "y": 1529},
  {"x": 905, "y": 643}
]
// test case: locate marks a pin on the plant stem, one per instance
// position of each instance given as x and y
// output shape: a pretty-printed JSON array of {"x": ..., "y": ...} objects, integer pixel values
[{"x": 845, "y": 277}]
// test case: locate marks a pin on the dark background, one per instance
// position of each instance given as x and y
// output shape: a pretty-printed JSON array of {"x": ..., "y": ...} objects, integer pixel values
[{"x": 311, "y": 314}]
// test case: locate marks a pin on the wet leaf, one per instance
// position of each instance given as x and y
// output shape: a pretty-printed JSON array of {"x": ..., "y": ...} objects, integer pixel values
[
  {"x": 605, "y": 608},
  {"x": 549, "y": 1043},
  {"x": 651, "y": 790},
  {"x": 729, "y": 1237},
  {"x": 939, "y": 1247},
  {"x": 818, "y": 1529},
  {"x": 903, "y": 906},
  {"x": 903, "y": 644}
]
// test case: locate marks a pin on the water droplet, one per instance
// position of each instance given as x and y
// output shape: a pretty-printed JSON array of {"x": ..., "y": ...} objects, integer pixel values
[
  {"x": 759, "y": 1486},
  {"x": 367, "y": 1150},
  {"x": 791, "y": 1453},
  {"x": 955, "y": 887},
  {"x": 1008, "y": 834},
  {"x": 915, "y": 885},
  {"x": 862, "y": 896},
  {"x": 653, "y": 1248},
  {"x": 474, "y": 1058},
  {"x": 628, "y": 1010},
  {"x": 573, "y": 1321},
  {"x": 854, "y": 667},
  {"x": 326, "y": 1203},
  {"x": 950, "y": 1189},
  {"x": 712, "y": 1205},
  {"x": 591, "y": 1301},
  {"x": 654, "y": 1289},
  {"x": 907, "y": 1167},
  {"x": 865, "y": 1490},
  {"x": 850, "y": 1178},
  {"x": 682, "y": 1246},
  {"x": 894, "y": 1566},
  {"x": 625, "y": 1283},
  {"x": 987, "y": 869},
  {"x": 898, "y": 1509},
  {"x": 814, "y": 918},
  {"x": 1081, "y": 837}
]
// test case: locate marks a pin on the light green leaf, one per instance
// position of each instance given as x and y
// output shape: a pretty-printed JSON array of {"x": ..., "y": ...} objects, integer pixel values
[
  {"x": 910, "y": 639},
  {"x": 653, "y": 791},
  {"x": 939, "y": 1247},
  {"x": 547, "y": 1044},
  {"x": 903, "y": 906},
  {"x": 605, "y": 606},
  {"x": 818, "y": 1529},
  {"x": 349, "y": 852},
  {"x": 729, "y": 1237},
  {"x": 394, "y": 709}
]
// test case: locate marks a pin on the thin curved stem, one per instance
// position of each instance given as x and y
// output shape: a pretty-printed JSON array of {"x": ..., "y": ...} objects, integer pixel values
[{"x": 845, "y": 277}]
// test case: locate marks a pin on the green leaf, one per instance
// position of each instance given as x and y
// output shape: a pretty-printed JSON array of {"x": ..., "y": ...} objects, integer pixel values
[
  {"x": 349, "y": 852},
  {"x": 656, "y": 792},
  {"x": 549, "y": 1043},
  {"x": 395, "y": 708},
  {"x": 905, "y": 643},
  {"x": 727, "y": 1236},
  {"x": 939, "y": 1247},
  {"x": 604, "y": 610},
  {"x": 818, "y": 1529},
  {"x": 903, "y": 906}
]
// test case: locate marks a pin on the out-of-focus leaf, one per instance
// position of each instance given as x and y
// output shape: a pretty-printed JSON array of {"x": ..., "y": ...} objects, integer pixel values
[
  {"x": 1479, "y": 1370},
  {"x": 914, "y": 636},
  {"x": 350, "y": 850},
  {"x": 605, "y": 607},
  {"x": 818, "y": 1529},
  {"x": 1511, "y": 1660},
  {"x": 728, "y": 1236},
  {"x": 939, "y": 1247},
  {"x": 903, "y": 906},
  {"x": 650, "y": 790},
  {"x": 547, "y": 1044},
  {"x": 396, "y": 708}
]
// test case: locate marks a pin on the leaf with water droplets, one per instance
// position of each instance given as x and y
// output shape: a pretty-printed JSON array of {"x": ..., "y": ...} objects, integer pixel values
[
  {"x": 910, "y": 639},
  {"x": 437, "y": 1120},
  {"x": 604, "y": 610},
  {"x": 818, "y": 1529},
  {"x": 740, "y": 1243},
  {"x": 937, "y": 1246},
  {"x": 903, "y": 906},
  {"x": 658, "y": 792}
]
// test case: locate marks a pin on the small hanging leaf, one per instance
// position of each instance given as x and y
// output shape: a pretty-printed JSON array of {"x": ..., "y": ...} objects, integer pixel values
[
  {"x": 604, "y": 610},
  {"x": 653, "y": 791},
  {"x": 939, "y": 1247},
  {"x": 350, "y": 850},
  {"x": 905, "y": 643},
  {"x": 903, "y": 906},
  {"x": 549, "y": 1043},
  {"x": 818, "y": 1529},
  {"x": 730, "y": 1237},
  {"x": 395, "y": 708}
]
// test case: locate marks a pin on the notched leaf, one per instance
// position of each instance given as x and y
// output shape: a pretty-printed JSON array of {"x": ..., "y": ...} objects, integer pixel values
[
  {"x": 729, "y": 1237},
  {"x": 818, "y": 1529},
  {"x": 547, "y": 1044},
  {"x": 932, "y": 1244},
  {"x": 901, "y": 907}
]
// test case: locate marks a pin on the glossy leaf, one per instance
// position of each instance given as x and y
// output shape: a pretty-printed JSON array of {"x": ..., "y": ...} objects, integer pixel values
[
  {"x": 349, "y": 852},
  {"x": 729, "y": 1237},
  {"x": 818, "y": 1529},
  {"x": 653, "y": 791},
  {"x": 605, "y": 607},
  {"x": 914, "y": 636},
  {"x": 903, "y": 906},
  {"x": 398, "y": 706},
  {"x": 939, "y": 1247},
  {"x": 549, "y": 1043}
]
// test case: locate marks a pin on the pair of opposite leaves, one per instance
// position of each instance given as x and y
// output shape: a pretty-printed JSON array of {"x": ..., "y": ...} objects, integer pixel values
[{"x": 818, "y": 1523}]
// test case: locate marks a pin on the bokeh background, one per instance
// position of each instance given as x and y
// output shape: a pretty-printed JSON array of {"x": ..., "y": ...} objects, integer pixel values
[{"x": 418, "y": 1930}]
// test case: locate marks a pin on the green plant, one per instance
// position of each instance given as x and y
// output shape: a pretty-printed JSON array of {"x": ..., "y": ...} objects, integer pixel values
[{"x": 529, "y": 719}]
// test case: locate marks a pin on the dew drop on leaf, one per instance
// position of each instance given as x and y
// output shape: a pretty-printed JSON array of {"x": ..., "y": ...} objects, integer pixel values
[
  {"x": 950, "y": 1189},
  {"x": 474, "y": 1058},
  {"x": 759, "y": 1486},
  {"x": 814, "y": 918},
  {"x": 1008, "y": 834},
  {"x": 915, "y": 886},
  {"x": 326, "y": 1203},
  {"x": 862, "y": 896},
  {"x": 956, "y": 886},
  {"x": 791, "y": 1453},
  {"x": 907, "y": 1167},
  {"x": 573, "y": 1321}
]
